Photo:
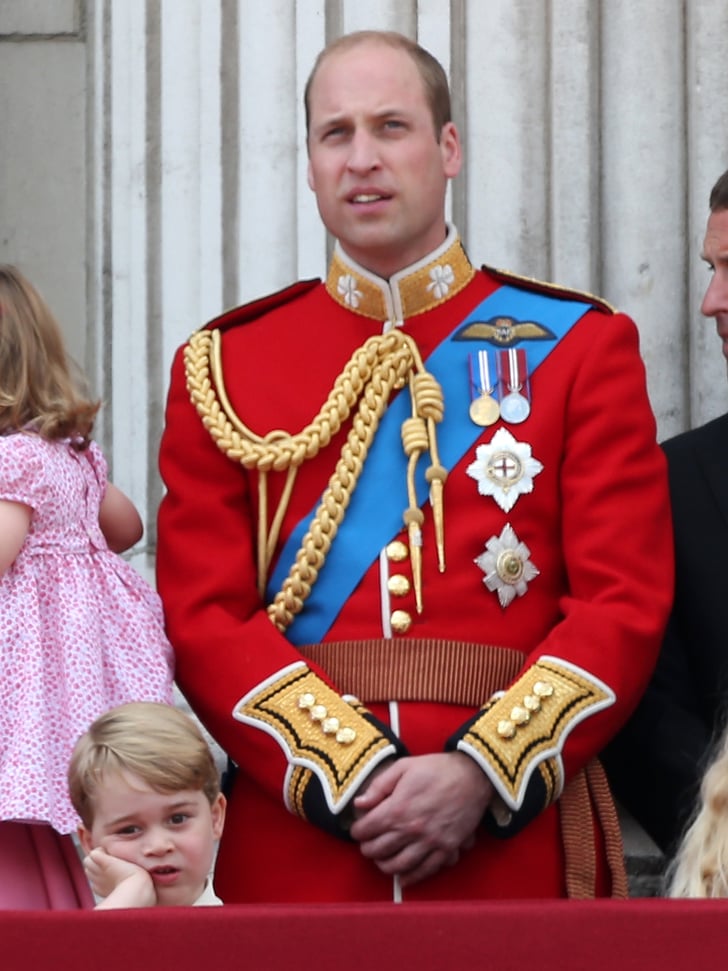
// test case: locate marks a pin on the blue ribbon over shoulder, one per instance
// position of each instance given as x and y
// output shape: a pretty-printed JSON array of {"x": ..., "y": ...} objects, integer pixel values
[{"x": 375, "y": 511}]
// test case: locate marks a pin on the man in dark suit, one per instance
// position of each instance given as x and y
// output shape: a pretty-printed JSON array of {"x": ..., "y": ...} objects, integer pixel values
[{"x": 655, "y": 764}]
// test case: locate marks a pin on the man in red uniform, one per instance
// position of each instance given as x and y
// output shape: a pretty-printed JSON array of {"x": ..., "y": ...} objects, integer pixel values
[{"x": 415, "y": 551}]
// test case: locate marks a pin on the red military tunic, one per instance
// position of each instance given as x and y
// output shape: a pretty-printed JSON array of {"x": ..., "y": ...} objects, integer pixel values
[{"x": 529, "y": 674}]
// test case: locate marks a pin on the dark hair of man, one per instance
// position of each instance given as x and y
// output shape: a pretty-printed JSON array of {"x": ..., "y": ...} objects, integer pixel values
[
  {"x": 434, "y": 79},
  {"x": 719, "y": 194}
]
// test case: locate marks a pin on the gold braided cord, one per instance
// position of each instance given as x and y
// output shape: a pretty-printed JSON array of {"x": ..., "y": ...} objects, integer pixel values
[
  {"x": 382, "y": 364},
  {"x": 278, "y": 450},
  {"x": 262, "y": 543},
  {"x": 414, "y": 442},
  {"x": 428, "y": 402}
]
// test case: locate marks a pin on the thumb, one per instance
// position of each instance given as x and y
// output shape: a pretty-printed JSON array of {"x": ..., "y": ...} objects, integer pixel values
[{"x": 379, "y": 785}]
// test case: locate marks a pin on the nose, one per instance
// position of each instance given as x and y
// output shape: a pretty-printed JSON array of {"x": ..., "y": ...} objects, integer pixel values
[
  {"x": 157, "y": 842},
  {"x": 363, "y": 152},
  {"x": 715, "y": 300}
]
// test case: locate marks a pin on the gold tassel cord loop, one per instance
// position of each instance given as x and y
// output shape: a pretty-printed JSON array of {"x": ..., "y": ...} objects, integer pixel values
[
  {"x": 297, "y": 586},
  {"x": 414, "y": 441},
  {"x": 380, "y": 366},
  {"x": 429, "y": 402}
]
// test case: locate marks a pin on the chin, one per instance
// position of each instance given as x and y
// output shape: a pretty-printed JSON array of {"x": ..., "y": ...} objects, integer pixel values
[{"x": 178, "y": 899}]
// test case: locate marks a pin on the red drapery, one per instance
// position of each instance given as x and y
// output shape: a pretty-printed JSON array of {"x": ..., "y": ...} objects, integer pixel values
[{"x": 503, "y": 935}]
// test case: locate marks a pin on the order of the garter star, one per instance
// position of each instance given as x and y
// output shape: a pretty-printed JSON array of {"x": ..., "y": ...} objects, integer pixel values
[
  {"x": 506, "y": 565},
  {"x": 504, "y": 469}
]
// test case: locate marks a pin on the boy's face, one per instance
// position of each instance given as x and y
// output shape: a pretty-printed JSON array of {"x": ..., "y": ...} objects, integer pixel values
[{"x": 171, "y": 835}]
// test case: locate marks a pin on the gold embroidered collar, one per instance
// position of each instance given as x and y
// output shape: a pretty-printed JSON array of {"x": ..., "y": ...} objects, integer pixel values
[{"x": 414, "y": 290}]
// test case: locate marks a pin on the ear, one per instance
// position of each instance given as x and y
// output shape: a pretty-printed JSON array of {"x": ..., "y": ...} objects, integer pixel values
[
  {"x": 309, "y": 177},
  {"x": 217, "y": 811},
  {"x": 84, "y": 838},
  {"x": 451, "y": 149}
]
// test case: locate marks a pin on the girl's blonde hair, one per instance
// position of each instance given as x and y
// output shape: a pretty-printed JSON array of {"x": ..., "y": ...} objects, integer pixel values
[
  {"x": 157, "y": 742},
  {"x": 39, "y": 383},
  {"x": 700, "y": 867}
]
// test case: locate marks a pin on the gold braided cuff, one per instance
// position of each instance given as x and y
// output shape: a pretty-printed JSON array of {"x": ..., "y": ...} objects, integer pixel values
[
  {"x": 321, "y": 733},
  {"x": 524, "y": 730}
]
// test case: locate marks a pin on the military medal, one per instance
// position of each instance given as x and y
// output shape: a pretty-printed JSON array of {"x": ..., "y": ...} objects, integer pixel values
[
  {"x": 507, "y": 566},
  {"x": 513, "y": 375},
  {"x": 484, "y": 408},
  {"x": 504, "y": 469}
]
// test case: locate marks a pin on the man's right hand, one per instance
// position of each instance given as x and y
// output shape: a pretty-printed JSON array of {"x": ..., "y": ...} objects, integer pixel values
[{"x": 420, "y": 813}]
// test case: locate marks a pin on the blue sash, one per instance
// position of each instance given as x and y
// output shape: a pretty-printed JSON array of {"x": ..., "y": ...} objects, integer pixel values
[{"x": 374, "y": 514}]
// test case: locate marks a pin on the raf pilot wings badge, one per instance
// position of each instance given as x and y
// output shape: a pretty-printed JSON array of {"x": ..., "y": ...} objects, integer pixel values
[{"x": 503, "y": 331}]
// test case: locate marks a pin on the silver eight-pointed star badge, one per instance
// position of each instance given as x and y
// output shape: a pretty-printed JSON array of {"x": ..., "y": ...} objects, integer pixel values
[
  {"x": 506, "y": 565},
  {"x": 504, "y": 469}
]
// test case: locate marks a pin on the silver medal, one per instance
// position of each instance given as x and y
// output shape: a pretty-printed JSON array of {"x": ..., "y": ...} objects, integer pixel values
[{"x": 514, "y": 408}]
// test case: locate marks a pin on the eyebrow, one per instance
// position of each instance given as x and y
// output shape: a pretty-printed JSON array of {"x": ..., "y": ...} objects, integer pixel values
[
  {"x": 174, "y": 807},
  {"x": 121, "y": 821},
  {"x": 343, "y": 116}
]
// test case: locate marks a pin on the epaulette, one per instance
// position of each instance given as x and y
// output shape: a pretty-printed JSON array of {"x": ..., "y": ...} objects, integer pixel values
[
  {"x": 541, "y": 286},
  {"x": 263, "y": 305}
]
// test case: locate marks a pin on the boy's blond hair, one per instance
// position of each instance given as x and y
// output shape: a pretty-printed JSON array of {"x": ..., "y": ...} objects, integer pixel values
[{"x": 157, "y": 742}]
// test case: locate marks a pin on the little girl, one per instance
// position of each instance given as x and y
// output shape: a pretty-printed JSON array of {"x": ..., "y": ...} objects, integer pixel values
[{"x": 80, "y": 630}]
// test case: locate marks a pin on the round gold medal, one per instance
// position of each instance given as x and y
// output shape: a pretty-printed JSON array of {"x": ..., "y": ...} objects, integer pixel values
[{"x": 484, "y": 410}]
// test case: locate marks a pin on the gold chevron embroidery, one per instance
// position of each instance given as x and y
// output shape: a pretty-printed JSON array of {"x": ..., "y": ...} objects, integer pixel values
[
  {"x": 550, "y": 772},
  {"x": 300, "y": 778},
  {"x": 525, "y": 729},
  {"x": 318, "y": 730}
]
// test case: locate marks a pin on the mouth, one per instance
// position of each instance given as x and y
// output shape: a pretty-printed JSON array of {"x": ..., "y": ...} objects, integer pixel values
[
  {"x": 367, "y": 198},
  {"x": 723, "y": 338},
  {"x": 164, "y": 875}
]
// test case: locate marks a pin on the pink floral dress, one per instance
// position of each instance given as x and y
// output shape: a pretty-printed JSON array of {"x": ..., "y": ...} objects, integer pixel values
[{"x": 80, "y": 630}]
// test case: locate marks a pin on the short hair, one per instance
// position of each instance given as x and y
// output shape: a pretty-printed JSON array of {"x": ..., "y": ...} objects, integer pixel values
[
  {"x": 40, "y": 385},
  {"x": 719, "y": 194},
  {"x": 157, "y": 742},
  {"x": 434, "y": 79}
]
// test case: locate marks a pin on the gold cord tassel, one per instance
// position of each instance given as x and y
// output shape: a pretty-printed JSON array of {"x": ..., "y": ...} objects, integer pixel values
[
  {"x": 414, "y": 441},
  {"x": 362, "y": 390},
  {"x": 429, "y": 403}
]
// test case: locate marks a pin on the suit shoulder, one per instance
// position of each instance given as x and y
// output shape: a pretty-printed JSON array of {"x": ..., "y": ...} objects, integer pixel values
[
  {"x": 261, "y": 306},
  {"x": 549, "y": 289},
  {"x": 712, "y": 433}
]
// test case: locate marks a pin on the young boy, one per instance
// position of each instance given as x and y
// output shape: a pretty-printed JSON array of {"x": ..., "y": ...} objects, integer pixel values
[{"x": 145, "y": 784}]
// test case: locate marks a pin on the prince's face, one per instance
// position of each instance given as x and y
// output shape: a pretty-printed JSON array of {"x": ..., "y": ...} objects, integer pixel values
[{"x": 376, "y": 163}]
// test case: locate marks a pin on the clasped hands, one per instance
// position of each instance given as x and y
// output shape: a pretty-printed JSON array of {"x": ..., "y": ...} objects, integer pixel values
[{"x": 418, "y": 814}]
